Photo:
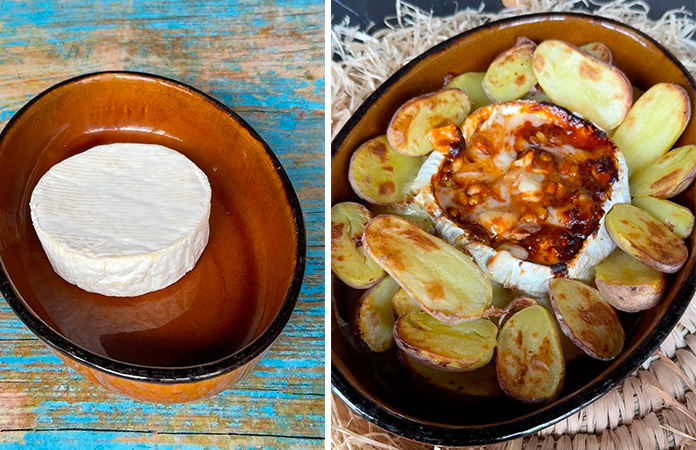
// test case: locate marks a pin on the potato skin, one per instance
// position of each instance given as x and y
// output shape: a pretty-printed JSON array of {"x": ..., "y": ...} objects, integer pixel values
[
  {"x": 451, "y": 347},
  {"x": 374, "y": 320},
  {"x": 653, "y": 124},
  {"x": 408, "y": 130},
  {"x": 587, "y": 318},
  {"x": 349, "y": 262},
  {"x": 629, "y": 298},
  {"x": 642, "y": 236},
  {"x": 600, "y": 92},
  {"x": 510, "y": 75},
  {"x": 678, "y": 218},
  {"x": 628, "y": 284},
  {"x": 444, "y": 281},
  {"x": 529, "y": 360},
  {"x": 598, "y": 50},
  {"x": 380, "y": 175},
  {"x": 669, "y": 176}
]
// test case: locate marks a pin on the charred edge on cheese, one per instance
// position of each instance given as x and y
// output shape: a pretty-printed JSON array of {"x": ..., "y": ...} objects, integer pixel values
[
  {"x": 560, "y": 269},
  {"x": 575, "y": 185}
]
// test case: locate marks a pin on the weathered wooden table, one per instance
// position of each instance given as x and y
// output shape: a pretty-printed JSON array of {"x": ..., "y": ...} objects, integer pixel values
[{"x": 265, "y": 60}]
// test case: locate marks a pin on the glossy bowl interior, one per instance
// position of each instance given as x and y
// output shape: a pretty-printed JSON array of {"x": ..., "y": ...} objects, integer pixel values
[
  {"x": 382, "y": 390},
  {"x": 223, "y": 313}
]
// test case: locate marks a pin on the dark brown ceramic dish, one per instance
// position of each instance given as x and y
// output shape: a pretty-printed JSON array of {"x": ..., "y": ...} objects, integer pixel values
[
  {"x": 377, "y": 386},
  {"x": 199, "y": 335}
]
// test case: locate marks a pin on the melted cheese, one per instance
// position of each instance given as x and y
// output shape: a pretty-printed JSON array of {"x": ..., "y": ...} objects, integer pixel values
[{"x": 498, "y": 158}]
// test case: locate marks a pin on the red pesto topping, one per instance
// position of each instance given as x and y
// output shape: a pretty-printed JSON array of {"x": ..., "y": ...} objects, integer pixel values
[{"x": 535, "y": 178}]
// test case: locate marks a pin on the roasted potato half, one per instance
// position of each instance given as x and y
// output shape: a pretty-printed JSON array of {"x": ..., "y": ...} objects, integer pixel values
[
  {"x": 501, "y": 295},
  {"x": 628, "y": 284},
  {"x": 637, "y": 92},
  {"x": 472, "y": 84},
  {"x": 380, "y": 175},
  {"x": 349, "y": 261},
  {"x": 587, "y": 318},
  {"x": 642, "y": 236},
  {"x": 667, "y": 177},
  {"x": 529, "y": 360},
  {"x": 570, "y": 350},
  {"x": 653, "y": 125},
  {"x": 402, "y": 304},
  {"x": 678, "y": 218},
  {"x": 408, "y": 210},
  {"x": 478, "y": 383},
  {"x": 573, "y": 79},
  {"x": 454, "y": 347},
  {"x": 408, "y": 129},
  {"x": 598, "y": 50},
  {"x": 510, "y": 75},
  {"x": 537, "y": 95},
  {"x": 375, "y": 319},
  {"x": 515, "y": 306},
  {"x": 445, "y": 282}
]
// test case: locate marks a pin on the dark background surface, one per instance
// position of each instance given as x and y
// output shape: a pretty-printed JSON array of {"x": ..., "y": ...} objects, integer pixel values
[{"x": 373, "y": 12}]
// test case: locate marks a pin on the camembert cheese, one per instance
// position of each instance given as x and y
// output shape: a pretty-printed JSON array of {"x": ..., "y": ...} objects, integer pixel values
[
  {"x": 123, "y": 219},
  {"x": 524, "y": 187}
]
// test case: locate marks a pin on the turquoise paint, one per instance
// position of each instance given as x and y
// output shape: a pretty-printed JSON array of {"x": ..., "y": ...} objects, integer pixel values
[{"x": 76, "y": 440}]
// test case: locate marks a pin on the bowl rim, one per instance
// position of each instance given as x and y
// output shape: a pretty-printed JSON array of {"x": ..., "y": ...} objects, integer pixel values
[
  {"x": 166, "y": 375},
  {"x": 457, "y": 435}
]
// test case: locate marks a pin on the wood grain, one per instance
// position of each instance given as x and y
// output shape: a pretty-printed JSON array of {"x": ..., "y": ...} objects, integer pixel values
[{"x": 265, "y": 60}]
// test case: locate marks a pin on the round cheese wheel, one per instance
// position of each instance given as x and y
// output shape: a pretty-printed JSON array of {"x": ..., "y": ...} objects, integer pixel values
[{"x": 122, "y": 219}]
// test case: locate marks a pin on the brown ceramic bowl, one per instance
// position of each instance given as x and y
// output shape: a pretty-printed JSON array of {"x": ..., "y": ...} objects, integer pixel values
[
  {"x": 377, "y": 386},
  {"x": 198, "y": 336}
]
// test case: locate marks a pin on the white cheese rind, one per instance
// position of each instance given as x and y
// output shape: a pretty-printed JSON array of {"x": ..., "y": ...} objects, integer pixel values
[
  {"x": 123, "y": 219},
  {"x": 502, "y": 266}
]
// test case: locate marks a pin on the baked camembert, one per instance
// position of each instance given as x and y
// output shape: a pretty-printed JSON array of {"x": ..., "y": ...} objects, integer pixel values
[{"x": 524, "y": 188}]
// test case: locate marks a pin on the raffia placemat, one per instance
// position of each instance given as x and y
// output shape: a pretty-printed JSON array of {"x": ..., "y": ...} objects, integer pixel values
[{"x": 655, "y": 408}]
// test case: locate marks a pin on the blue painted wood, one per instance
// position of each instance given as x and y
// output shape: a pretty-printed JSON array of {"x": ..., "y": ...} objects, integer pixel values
[{"x": 262, "y": 58}]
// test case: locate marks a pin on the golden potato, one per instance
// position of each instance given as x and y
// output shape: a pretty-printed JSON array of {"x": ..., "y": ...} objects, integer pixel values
[
  {"x": 454, "y": 347},
  {"x": 501, "y": 295},
  {"x": 380, "y": 175},
  {"x": 570, "y": 350},
  {"x": 375, "y": 320},
  {"x": 537, "y": 95},
  {"x": 637, "y": 92},
  {"x": 670, "y": 175},
  {"x": 472, "y": 84},
  {"x": 478, "y": 383},
  {"x": 678, "y": 218},
  {"x": 349, "y": 261},
  {"x": 598, "y": 50},
  {"x": 653, "y": 125},
  {"x": 441, "y": 279},
  {"x": 515, "y": 306},
  {"x": 402, "y": 304},
  {"x": 510, "y": 75},
  {"x": 598, "y": 91},
  {"x": 587, "y": 318},
  {"x": 408, "y": 210},
  {"x": 408, "y": 129},
  {"x": 529, "y": 360},
  {"x": 642, "y": 236},
  {"x": 628, "y": 284}
]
